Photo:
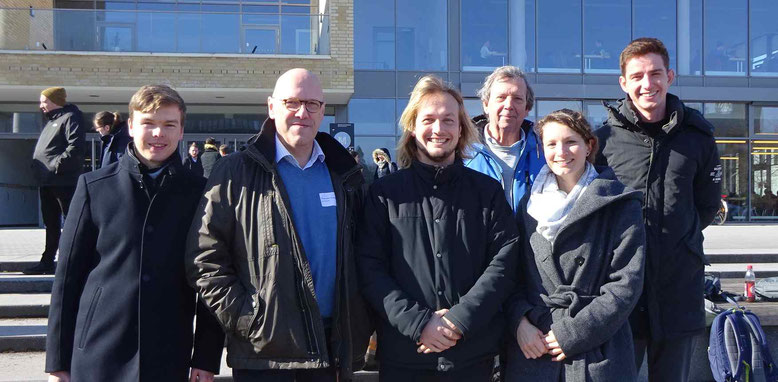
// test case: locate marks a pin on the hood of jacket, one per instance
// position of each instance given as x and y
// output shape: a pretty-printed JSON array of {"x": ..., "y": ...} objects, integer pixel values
[
  {"x": 622, "y": 114},
  {"x": 54, "y": 114},
  {"x": 262, "y": 149},
  {"x": 381, "y": 154}
]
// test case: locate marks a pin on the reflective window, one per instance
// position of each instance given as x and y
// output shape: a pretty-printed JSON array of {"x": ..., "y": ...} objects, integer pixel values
[
  {"x": 372, "y": 116},
  {"x": 223, "y": 31},
  {"x": 484, "y": 34},
  {"x": 607, "y": 24},
  {"x": 764, "y": 38},
  {"x": 368, "y": 144},
  {"x": 545, "y": 107},
  {"x": 728, "y": 119},
  {"x": 690, "y": 37},
  {"x": 656, "y": 18},
  {"x": 474, "y": 106},
  {"x": 765, "y": 120},
  {"x": 595, "y": 113},
  {"x": 725, "y": 37},
  {"x": 374, "y": 34},
  {"x": 734, "y": 179},
  {"x": 522, "y": 32},
  {"x": 764, "y": 168},
  {"x": 559, "y": 36},
  {"x": 401, "y": 105},
  {"x": 422, "y": 35}
]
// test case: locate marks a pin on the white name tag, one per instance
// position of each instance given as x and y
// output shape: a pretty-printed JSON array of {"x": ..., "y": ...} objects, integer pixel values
[{"x": 327, "y": 199}]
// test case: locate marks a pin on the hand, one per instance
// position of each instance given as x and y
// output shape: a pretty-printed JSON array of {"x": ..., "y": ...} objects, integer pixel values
[
  {"x": 530, "y": 339},
  {"x": 438, "y": 335},
  {"x": 59, "y": 376},
  {"x": 200, "y": 375},
  {"x": 553, "y": 347}
]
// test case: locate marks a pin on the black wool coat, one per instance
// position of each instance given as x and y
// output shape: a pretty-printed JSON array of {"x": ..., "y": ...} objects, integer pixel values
[
  {"x": 437, "y": 238},
  {"x": 679, "y": 173},
  {"x": 194, "y": 167},
  {"x": 121, "y": 309}
]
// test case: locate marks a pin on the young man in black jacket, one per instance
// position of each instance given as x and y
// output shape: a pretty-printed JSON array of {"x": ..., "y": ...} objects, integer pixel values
[
  {"x": 658, "y": 146},
  {"x": 57, "y": 162},
  {"x": 121, "y": 309},
  {"x": 437, "y": 249}
]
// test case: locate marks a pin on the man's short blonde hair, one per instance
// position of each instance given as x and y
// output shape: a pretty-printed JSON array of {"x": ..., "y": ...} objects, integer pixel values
[{"x": 149, "y": 98}]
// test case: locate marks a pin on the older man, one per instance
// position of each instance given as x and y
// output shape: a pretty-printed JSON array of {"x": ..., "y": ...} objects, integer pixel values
[
  {"x": 270, "y": 249},
  {"x": 57, "y": 162},
  {"x": 437, "y": 249},
  {"x": 509, "y": 150}
]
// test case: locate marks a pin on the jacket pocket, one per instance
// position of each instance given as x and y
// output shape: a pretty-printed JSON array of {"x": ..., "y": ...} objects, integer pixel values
[{"x": 89, "y": 314}]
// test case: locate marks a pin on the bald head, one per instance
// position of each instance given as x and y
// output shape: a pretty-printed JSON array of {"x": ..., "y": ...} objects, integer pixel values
[{"x": 298, "y": 83}]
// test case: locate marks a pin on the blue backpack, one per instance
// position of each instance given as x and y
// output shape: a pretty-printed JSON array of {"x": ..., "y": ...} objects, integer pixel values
[{"x": 738, "y": 350}]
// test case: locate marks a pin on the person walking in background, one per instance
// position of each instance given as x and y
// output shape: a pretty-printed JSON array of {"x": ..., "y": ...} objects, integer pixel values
[
  {"x": 509, "y": 149},
  {"x": 121, "y": 309},
  {"x": 114, "y": 136},
  {"x": 437, "y": 249},
  {"x": 209, "y": 156},
  {"x": 271, "y": 246},
  {"x": 57, "y": 162},
  {"x": 224, "y": 150},
  {"x": 657, "y": 145},
  {"x": 192, "y": 161},
  {"x": 581, "y": 272},
  {"x": 383, "y": 163}
]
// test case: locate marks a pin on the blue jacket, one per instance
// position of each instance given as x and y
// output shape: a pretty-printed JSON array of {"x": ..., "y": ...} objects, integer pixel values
[{"x": 530, "y": 161}]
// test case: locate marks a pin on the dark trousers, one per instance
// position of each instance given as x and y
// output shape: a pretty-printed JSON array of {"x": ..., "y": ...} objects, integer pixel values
[
  {"x": 55, "y": 201},
  {"x": 479, "y": 372},
  {"x": 299, "y": 375},
  {"x": 668, "y": 361}
]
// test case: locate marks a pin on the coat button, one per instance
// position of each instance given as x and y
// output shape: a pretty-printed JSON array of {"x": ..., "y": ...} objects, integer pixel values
[
  {"x": 440, "y": 293},
  {"x": 149, "y": 229},
  {"x": 435, "y": 187},
  {"x": 146, "y": 278},
  {"x": 579, "y": 260},
  {"x": 646, "y": 140},
  {"x": 438, "y": 255},
  {"x": 437, "y": 220}
]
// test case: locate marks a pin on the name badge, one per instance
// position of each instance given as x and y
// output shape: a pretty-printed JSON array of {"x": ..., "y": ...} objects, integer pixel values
[{"x": 327, "y": 199}]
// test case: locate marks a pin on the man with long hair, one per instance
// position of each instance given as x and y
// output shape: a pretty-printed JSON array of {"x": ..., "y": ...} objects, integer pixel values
[{"x": 437, "y": 248}]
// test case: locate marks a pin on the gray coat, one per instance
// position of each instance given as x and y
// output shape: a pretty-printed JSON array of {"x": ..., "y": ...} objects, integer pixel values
[{"x": 583, "y": 286}]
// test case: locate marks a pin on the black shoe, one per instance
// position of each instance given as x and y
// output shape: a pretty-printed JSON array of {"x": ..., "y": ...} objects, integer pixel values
[{"x": 41, "y": 268}]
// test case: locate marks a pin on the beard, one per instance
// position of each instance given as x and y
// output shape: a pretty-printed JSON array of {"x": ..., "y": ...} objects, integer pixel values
[{"x": 438, "y": 157}]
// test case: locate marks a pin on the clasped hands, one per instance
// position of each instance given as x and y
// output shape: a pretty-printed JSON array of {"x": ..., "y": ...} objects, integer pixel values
[
  {"x": 534, "y": 343},
  {"x": 439, "y": 334}
]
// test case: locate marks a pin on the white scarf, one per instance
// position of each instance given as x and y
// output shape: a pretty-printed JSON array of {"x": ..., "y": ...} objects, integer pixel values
[{"x": 549, "y": 205}]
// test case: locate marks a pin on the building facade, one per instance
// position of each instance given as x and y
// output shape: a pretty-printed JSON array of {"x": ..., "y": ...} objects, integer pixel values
[{"x": 224, "y": 56}]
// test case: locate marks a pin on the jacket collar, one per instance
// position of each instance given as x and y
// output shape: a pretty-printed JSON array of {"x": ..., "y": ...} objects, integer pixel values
[
  {"x": 54, "y": 114},
  {"x": 133, "y": 165},
  {"x": 480, "y": 122},
  {"x": 262, "y": 149},
  {"x": 438, "y": 175},
  {"x": 623, "y": 115}
]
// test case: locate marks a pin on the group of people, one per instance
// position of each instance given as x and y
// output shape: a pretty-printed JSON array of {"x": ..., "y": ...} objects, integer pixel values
[{"x": 568, "y": 252}]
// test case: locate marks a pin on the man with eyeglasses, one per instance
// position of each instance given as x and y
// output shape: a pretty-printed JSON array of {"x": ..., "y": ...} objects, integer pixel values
[{"x": 271, "y": 247}]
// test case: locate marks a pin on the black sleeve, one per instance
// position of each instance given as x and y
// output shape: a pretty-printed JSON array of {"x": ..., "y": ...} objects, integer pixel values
[
  {"x": 70, "y": 159},
  {"x": 76, "y": 260},
  {"x": 208, "y": 341}
]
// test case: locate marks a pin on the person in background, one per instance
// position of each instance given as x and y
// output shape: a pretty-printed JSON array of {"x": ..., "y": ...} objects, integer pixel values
[
  {"x": 192, "y": 162},
  {"x": 581, "y": 271},
  {"x": 209, "y": 157},
  {"x": 114, "y": 136},
  {"x": 383, "y": 163},
  {"x": 57, "y": 162},
  {"x": 224, "y": 150}
]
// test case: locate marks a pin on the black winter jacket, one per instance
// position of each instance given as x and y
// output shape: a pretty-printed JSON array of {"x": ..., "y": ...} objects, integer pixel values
[
  {"x": 196, "y": 167},
  {"x": 247, "y": 261},
  {"x": 115, "y": 145},
  {"x": 208, "y": 159},
  {"x": 121, "y": 309},
  {"x": 434, "y": 238},
  {"x": 679, "y": 173},
  {"x": 58, "y": 159}
]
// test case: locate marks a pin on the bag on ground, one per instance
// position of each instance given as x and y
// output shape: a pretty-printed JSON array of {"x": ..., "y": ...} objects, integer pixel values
[{"x": 738, "y": 349}]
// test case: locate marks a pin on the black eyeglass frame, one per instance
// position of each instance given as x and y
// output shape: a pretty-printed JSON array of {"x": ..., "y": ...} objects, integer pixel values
[{"x": 316, "y": 104}]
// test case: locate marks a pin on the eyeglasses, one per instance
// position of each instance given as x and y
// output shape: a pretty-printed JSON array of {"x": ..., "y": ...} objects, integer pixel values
[{"x": 294, "y": 104}]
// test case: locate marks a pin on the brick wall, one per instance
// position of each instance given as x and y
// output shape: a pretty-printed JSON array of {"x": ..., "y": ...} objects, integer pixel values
[{"x": 132, "y": 71}]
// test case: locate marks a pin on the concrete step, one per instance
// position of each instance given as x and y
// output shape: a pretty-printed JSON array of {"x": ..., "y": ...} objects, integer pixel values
[
  {"x": 738, "y": 270},
  {"x": 17, "y": 305},
  {"x": 20, "y": 283},
  {"x": 750, "y": 257},
  {"x": 16, "y": 266},
  {"x": 22, "y": 334}
]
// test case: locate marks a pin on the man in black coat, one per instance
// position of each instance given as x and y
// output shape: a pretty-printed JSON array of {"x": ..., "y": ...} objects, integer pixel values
[
  {"x": 210, "y": 156},
  {"x": 57, "y": 162},
  {"x": 658, "y": 146},
  {"x": 192, "y": 161},
  {"x": 437, "y": 249},
  {"x": 121, "y": 309}
]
